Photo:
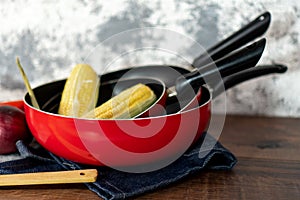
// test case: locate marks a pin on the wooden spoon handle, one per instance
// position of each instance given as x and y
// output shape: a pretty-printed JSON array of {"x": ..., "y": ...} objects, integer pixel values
[{"x": 75, "y": 176}]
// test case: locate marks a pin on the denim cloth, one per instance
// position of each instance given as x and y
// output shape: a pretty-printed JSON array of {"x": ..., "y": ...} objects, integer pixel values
[{"x": 114, "y": 184}]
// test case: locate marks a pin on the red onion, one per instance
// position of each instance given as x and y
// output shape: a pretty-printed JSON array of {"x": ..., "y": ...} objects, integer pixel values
[{"x": 13, "y": 127}]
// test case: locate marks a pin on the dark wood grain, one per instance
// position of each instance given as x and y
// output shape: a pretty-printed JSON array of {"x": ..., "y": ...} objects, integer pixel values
[
  {"x": 268, "y": 152},
  {"x": 259, "y": 137}
]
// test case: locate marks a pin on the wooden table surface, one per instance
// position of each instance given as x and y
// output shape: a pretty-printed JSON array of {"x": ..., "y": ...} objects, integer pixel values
[{"x": 268, "y": 152}]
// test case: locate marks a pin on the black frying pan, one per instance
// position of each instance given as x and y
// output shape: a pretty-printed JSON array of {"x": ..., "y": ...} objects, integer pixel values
[
  {"x": 168, "y": 74},
  {"x": 188, "y": 84}
]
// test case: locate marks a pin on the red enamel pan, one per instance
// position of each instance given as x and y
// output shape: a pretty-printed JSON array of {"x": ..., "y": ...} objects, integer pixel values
[{"x": 121, "y": 142}]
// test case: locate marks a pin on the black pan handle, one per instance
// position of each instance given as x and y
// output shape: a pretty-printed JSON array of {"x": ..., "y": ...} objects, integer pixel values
[
  {"x": 237, "y": 61},
  {"x": 261, "y": 70},
  {"x": 246, "y": 34}
]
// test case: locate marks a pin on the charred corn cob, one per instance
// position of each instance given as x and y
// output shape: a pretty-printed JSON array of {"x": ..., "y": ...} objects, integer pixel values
[
  {"x": 127, "y": 104},
  {"x": 80, "y": 93}
]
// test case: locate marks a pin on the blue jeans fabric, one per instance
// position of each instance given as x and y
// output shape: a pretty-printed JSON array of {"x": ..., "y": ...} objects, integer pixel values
[{"x": 113, "y": 184}]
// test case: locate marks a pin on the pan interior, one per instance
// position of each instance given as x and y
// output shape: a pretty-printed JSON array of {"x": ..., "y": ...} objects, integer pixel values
[{"x": 49, "y": 95}]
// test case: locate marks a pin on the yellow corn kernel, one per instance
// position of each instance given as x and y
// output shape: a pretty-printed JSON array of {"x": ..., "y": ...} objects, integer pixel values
[
  {"x": 128, "y": 104},
  {"x": 80, "y": 93}
]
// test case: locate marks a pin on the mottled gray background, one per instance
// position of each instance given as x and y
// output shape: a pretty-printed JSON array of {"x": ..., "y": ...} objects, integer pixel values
[{"x": 51, "y": 36}]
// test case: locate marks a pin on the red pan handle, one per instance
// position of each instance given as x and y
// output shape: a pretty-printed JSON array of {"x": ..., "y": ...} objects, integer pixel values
[{"x": 251, "y": 31}]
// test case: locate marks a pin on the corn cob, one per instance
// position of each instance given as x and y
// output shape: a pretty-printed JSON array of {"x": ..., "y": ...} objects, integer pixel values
[
  {"x": 128, "y": 104},
  {"x": 80, "y": 93}
]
